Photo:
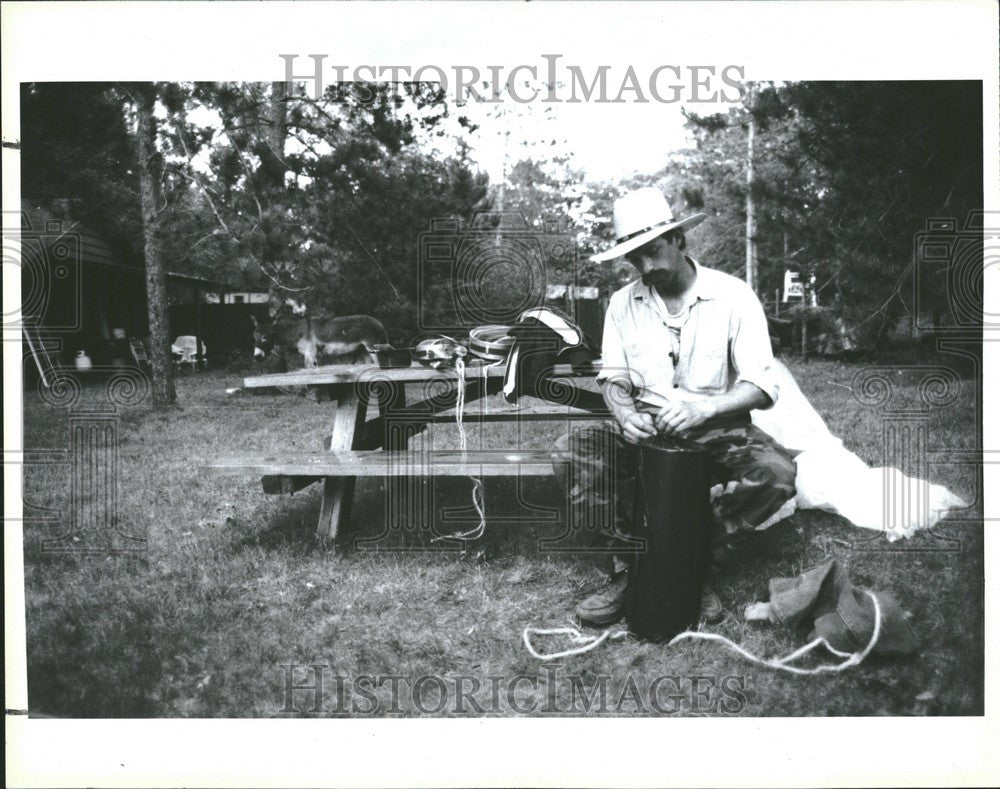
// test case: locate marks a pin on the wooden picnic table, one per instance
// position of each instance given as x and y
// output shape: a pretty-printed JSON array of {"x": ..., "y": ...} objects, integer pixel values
[{"x": 359, "y": 446}]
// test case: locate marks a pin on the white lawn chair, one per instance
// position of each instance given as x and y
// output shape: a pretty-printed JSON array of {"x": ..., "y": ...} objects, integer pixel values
[{"x": 186, "y": 347}]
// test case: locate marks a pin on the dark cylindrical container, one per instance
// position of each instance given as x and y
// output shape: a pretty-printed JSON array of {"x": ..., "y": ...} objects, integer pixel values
[{"x": 664, "y": 591}]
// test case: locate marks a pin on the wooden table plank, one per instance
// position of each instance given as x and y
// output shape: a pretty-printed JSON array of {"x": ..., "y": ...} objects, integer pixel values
[
  {"x": 439, "y": 462},
  {"x": 531, "y": 413}
]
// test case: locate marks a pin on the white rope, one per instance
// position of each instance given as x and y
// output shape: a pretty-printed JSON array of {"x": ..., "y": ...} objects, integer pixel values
[
  {"x": 460, "y": 402},
  {"x": 478, "y": 495},
  {"x": 587, "y": 642},
  {"x": 781, "y": 664}
]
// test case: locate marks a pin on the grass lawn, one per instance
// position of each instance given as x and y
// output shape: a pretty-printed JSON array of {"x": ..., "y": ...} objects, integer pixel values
[{"x": 230, "y": 589}]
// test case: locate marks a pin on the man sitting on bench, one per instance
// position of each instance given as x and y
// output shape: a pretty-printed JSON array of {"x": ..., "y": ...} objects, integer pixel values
[{"x": 686, "y": 358}]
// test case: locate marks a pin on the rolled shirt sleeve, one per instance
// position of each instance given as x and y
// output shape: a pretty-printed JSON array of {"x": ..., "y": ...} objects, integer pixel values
[{"x": 752, "y": 359}]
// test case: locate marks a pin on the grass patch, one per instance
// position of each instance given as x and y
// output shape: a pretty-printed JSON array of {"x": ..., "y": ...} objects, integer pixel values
[{"x": 230, "y": 589}]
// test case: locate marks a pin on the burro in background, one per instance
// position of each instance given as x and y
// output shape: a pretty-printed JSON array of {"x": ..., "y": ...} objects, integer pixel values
[{"x": 351, "y": 335}]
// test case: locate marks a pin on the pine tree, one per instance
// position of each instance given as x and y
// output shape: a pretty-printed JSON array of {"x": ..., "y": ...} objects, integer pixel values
[{"x": 150, "y": 167}]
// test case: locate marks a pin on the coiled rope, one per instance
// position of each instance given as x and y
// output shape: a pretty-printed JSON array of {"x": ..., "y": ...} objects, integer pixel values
[{"x": 490, "y": 342}]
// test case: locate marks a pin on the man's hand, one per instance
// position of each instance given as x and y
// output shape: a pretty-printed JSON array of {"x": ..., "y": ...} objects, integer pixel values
[
  {"x": 638, "y": 427},
  {"x": 680, "y": 416}
]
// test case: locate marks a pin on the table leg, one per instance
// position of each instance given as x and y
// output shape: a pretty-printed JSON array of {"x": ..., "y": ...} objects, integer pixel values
[
  {"x": 397, "y": 430},
  {"x": 338, "y": 492},
  {"x": 335, "y": 511}
]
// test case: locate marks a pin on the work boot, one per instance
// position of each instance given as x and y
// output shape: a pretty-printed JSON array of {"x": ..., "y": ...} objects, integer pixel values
[
  {"x": 711, "y": 606},
  {"x": 606, "y": 607}
]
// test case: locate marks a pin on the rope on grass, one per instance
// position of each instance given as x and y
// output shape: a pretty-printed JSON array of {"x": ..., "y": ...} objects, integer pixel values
[
  {"x": 587, "y": 643},
  {"x": 781, "y": 664}
]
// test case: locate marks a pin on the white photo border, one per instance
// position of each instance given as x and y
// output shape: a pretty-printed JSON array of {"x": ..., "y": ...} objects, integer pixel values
[{"x": 242, "y": 41}]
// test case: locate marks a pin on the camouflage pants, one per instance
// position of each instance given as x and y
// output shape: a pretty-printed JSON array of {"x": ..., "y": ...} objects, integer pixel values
[{"x": 757, "y": 476}]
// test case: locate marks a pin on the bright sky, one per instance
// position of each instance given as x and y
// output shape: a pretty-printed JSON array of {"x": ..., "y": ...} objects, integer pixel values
[{"x": 607, "y": 141}]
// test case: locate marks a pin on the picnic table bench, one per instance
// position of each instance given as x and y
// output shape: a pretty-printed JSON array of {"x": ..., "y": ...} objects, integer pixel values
[{"x": 379, "y": 447}]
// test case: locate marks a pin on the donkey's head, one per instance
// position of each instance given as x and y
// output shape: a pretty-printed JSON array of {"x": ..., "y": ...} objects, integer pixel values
[{"x": 263, "y": 338}]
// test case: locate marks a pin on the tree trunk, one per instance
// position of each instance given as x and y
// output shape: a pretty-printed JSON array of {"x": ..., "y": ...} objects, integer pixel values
[
  {"x": 150, "y": 170},
  {"x": 277, "y": 117},
  {"x": 751, "y": 234},
  {"x": 273, "y": 175}
]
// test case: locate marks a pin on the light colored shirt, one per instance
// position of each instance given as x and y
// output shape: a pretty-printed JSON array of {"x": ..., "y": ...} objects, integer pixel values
[
  {"x": 673, "y": 322},
  {"x": 723, "y": 340}
]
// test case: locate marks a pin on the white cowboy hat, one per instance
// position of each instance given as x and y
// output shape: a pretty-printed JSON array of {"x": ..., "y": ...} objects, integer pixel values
[{"x": 641, "y": 216}]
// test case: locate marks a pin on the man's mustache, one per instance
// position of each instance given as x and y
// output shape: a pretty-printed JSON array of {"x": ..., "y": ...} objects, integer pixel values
[{"x": 657, "y": 277}]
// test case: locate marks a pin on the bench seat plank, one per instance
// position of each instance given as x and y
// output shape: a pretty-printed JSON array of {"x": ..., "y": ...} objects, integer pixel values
[
  {"x": 369, "y": 374},
  {"x": 440, "y": 462}
]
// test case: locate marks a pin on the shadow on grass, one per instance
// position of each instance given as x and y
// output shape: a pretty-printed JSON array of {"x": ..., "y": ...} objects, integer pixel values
[
  {"x": 519, "y": 515},
  {"x": 287, "y": 523}
]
